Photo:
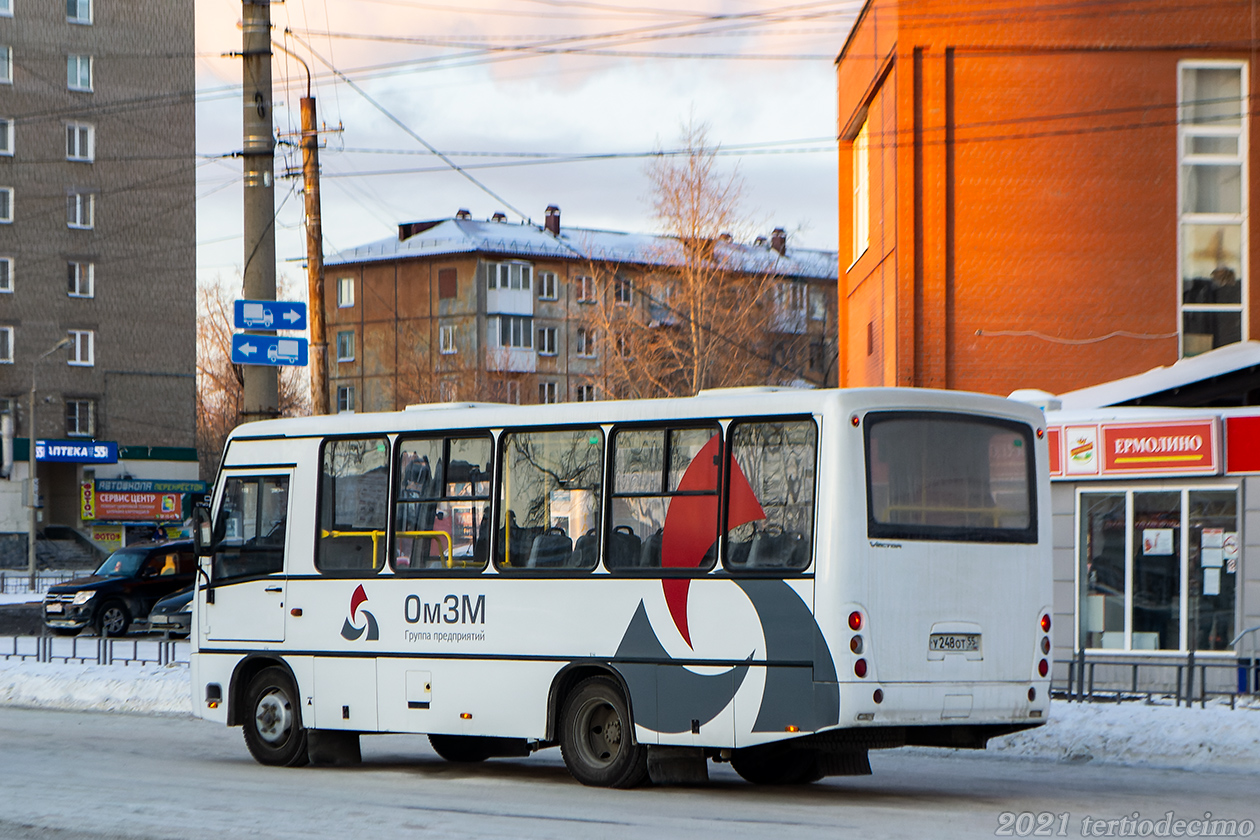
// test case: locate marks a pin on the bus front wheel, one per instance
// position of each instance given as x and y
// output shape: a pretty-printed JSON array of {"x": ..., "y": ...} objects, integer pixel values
[
  {"x": 273, "y": 720},
  {"x": 597, "y": 737}
]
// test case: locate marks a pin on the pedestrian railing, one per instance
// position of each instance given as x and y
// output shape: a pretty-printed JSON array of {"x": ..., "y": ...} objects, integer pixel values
[
  {"x": 19, "y": 583},
  {"x": 1184, "y": 679},
  {"x": 94, "y": 651}
]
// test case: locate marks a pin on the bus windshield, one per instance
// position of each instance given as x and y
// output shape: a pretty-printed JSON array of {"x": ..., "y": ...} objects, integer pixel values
[{"x": 953, "y": 477}]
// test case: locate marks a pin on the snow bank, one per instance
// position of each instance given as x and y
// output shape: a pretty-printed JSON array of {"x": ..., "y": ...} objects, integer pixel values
[
  {"x": 21, "y": 597},
  {"x": 134, "y": 689},
  {"x": 1151, "y": 735}
]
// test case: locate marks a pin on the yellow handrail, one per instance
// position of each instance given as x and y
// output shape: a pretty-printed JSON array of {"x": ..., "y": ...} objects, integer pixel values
[
  {"x": 450, "y": 552},
  {"x": 376, "y": 535}
]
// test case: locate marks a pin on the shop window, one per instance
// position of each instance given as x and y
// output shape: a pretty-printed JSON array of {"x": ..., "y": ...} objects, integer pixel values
[
  {"x": 1182, "y": 548},
  {"x": 353, "y": 505},
  {"x": 440, "y": 519},
  {"x": 549, "y": 500}
]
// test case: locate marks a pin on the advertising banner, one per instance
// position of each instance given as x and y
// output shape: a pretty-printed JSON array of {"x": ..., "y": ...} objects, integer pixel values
[
  {"x": 139, "y": 507},
  {"x": 1108, "y": 450}
]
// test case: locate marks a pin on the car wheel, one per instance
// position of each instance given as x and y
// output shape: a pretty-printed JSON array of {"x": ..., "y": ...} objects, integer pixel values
[
  {"x": 462, "y": 748},
  {"x": 775, "y": 765},
  {"x": 273, "y": 720},
  {"x": 597, "y": 737},
  {"x": 113, "y": 619}
]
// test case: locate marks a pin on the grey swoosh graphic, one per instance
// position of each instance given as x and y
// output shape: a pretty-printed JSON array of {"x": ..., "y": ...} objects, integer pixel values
[
  {"x": 804, "y": 697},
  {"x": 666, "y": 697}
]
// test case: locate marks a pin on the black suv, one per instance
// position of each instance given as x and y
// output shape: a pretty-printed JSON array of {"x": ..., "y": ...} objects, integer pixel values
[{"x": 123, "y": 589}]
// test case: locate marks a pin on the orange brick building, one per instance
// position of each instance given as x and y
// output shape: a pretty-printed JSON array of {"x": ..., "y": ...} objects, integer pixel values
[{"x": 1040, "y": 195}]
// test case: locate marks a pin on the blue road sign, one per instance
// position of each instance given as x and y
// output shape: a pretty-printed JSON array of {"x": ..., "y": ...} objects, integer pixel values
[
  {"x": 268, "y": 350},
  {"x": 269, "y": 315}
]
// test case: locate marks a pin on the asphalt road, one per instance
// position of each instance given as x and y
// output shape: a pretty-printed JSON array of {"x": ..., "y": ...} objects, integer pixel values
[{"x": 67, "y": 776}]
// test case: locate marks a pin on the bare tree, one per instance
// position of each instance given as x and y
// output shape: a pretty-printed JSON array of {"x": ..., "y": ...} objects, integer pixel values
[
  {"x": 220, "y": 384},
  {"x": 703, "y": 316}
]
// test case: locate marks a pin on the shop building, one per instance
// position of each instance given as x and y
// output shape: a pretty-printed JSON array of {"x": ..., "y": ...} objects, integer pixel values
[{"x": 1156, "y": 528}]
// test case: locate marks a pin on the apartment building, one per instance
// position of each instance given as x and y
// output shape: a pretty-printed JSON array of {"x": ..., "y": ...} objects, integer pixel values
[
  {"x": 460, "y": 308},
  {"x": 97, "y": 248}
]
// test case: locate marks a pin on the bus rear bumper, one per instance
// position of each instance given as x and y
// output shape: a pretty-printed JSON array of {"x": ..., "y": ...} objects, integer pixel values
[{"x": 936, "y": 703}]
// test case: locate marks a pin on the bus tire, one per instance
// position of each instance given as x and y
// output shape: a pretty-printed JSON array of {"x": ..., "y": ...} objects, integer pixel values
[
  {"x": 273, "y": 720},
  {"x": 597, "y": 736},
  {"x": 768, "y": 765},
  {"x": 462, "y": 749}
]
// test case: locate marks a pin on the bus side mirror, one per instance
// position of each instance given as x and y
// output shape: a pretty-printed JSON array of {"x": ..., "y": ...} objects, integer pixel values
[{"x": 202, "y": 534}]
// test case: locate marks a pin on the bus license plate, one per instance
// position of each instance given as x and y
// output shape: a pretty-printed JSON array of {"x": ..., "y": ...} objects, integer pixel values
[{"x": 954, "y": 642}]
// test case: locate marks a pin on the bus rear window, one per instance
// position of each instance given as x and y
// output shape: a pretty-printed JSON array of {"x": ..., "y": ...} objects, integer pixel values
[{"x": 952, "y": 477}]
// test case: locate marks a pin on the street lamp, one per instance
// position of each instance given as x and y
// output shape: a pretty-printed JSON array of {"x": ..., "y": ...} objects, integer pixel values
[{"x": 33, "y": 498}]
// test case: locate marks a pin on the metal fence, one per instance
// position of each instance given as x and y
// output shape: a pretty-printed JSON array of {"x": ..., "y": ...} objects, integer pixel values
[
  {"x": 94, "y": 651},
  {"x": 1184, "y": 679},
  {"x": 19, "y": 583}
]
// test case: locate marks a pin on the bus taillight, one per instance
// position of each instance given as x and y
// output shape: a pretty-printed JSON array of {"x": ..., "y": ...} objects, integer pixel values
[
  {"x": 1043, "y": 667},
  {"x": 855, "y": 644},
  {"x": 859, "y": 668},
  {"x": 855, "y": 620},
  {"x": 1045, "y": 623}
]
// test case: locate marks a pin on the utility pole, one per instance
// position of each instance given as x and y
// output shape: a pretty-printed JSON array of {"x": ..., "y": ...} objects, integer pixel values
[
  {"x": 314, "y": 255},
  {"x": 262, "y": 396}
]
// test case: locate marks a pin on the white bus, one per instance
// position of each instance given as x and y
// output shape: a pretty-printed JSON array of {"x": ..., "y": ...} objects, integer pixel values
[{"x": 782, "y": 579}]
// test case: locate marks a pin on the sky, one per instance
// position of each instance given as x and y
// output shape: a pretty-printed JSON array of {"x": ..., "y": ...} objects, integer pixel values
[{"x": 515, "y": 92}]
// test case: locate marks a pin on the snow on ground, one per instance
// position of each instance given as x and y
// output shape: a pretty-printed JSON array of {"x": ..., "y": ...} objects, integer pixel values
[
  {"x": 130, "y": 689},
  {"x": 1152, "y": 735},
  {"x": 20, "y": 598}
]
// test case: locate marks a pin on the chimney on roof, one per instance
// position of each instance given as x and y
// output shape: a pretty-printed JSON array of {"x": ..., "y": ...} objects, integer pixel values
[
  {"x": 501, "y": 218},
  {"x": 725, "y": 237},
  {"x": 552, "y": 221},
  {"x": 462, "y": 213},
  {"x": 760, "y": 241},
  {"x": 778, "y": 240}
]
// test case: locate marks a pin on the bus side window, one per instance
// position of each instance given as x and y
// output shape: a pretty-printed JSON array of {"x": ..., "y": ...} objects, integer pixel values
[
  {"x": 770, "y": 505},
  {"x": 353, "y": 505},
  {"x": 665, "y": 498},
  {"x": 249, "y": 532},
  {"x": 442, "y": 502},
  {"x": 552, "y": 492}
]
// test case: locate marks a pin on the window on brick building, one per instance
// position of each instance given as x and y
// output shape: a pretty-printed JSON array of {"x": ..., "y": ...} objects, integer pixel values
[
  {"x": 6, "y": 345},
  {"x": 548, "y": 392},
  {"x": 80, "y": 210},
  {"x": 6, "y": 205},
  {"x": 6, "y": 274},
  {"x": 586, "y": 393},
  {"x": 623, "y": 290},
  {"x": 79, "y": 73},
  {"x": 80, "y": 142},
  {"x": 547, "y": 286},
  {"x": 585, "y": 342},
  {"x": 448, "y": 284},
  {"x": 80, "y": 418},
  {"x": 861, "y": 193},
  {"x": 6, "y": 10},
  {"x": 345, "y": 346},
  {"x": 79, "y": 11},
  {"x": 345, "y": 292},
  {"x": 446, "y": 339},
  {"x": 6, "y": 65},
  {"x": 1212, "y": 141},
  {"x": 585, "y": 289},
  {"x": 6, "y": 137},
  {"x": 80, "y": 279},
  {"x": 345, "y": 399},
  {"x": 82, "y": 348},
  {"x": 510, "y": 331},
  {"x": 547, "y": 341}
]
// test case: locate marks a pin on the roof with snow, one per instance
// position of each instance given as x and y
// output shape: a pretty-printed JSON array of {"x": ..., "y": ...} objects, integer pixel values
[
  {"x": 1220, "y": 377},
  {"x": 529, "y": 241}
]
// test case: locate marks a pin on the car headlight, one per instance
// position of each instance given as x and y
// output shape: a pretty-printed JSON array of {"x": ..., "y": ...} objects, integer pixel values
[{"x": 83, "y": 597}]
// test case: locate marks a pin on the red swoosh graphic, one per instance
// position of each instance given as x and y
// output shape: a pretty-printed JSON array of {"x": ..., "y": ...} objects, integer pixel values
[
  {"x": 357, "y": 598},
  {"x": 689, "y": 524}
]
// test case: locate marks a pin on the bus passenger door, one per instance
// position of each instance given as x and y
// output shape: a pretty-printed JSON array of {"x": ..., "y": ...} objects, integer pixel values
[{"x": 245, "y": 596}]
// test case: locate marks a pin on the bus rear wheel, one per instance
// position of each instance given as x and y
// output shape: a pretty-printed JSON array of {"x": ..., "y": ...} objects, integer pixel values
[
  {"x": 774, "y": 765},
  {"x": 273, "y": 720},
  {"x": 597, "y": 737}
]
